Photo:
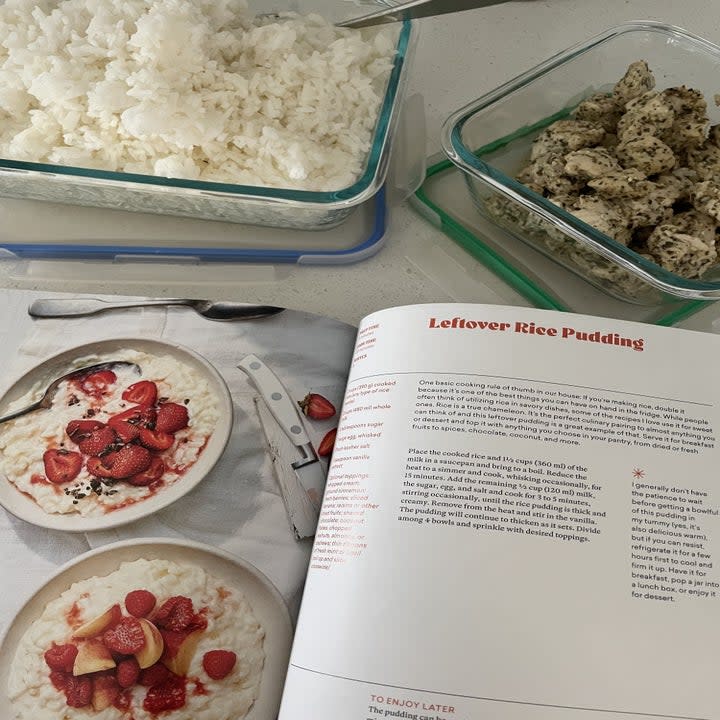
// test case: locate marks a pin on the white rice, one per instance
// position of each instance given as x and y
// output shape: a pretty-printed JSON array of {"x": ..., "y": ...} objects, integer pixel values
[{"x": 196, "y": 89}]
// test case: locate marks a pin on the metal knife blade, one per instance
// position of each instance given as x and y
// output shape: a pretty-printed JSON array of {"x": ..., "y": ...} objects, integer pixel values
[{"x": 301, "y": 510}]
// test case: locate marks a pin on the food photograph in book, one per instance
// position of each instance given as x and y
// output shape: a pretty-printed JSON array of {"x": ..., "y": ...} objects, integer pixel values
[{"x": 160, "y": 481}]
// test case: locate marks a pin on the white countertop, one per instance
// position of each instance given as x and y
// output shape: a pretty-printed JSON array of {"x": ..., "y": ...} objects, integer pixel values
[{"x": 458, "y": 58}]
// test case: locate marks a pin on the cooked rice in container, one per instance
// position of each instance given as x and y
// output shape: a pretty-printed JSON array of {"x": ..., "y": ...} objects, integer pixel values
[{"x": 201, "y": 90}]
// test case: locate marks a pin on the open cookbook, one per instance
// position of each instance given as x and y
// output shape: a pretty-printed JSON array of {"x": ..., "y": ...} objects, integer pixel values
[{"x": 520, "y": 518}]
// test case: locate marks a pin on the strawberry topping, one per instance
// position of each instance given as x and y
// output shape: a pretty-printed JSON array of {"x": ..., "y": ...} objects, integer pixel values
[
  {"x": 140, "y": 602},
  {"x": 78, "y": 430},
  {"x": 97, "y": 441},
  {"x": 61, "y": 466},
  {"x": 139, "y": 415},
  {"x": 156, "y": 439},
  {"x": 78, "y": 690},
  {"x": 96, "y": 383},
  {"x": 129, "y": 460},
  {"x": 218, "y": 664},
  {"x": 168, "y": 695},
  {"x": 141, "y": 393},
  {"x": 150, "y": 475},
  {"x": 125, "y": 430},
  {"x": 127, "y": 672},
  {"x": 100, "y": 466},
  {"x": 171, "y": 417},
  {"x": 175, "y": 614},
  {"x": 126, "y": 638}
]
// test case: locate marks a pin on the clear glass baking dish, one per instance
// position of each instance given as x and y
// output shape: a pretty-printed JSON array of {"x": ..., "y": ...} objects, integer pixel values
[
  {"x": 490, "y": 141},
  {"x": 254, "y": 205}
]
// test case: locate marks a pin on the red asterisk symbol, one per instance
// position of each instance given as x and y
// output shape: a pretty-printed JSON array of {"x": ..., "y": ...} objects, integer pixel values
[{"x": 638, "y": 473}]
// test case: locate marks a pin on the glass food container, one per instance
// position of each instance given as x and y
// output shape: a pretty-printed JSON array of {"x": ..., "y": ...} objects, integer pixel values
[
  {"x": 254, "y": 205},
  {"x": 490, "y": 141}
]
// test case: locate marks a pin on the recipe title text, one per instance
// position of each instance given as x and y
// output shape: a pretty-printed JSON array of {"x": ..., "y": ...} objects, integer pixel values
[{"x": 530, "y": 328}]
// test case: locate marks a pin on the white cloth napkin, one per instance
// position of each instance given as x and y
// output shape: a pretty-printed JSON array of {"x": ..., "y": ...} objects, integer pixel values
[{"x": 237, "y": 507}]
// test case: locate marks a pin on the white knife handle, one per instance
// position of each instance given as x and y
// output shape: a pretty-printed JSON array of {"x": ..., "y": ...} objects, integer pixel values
[{"x": 281, "y": 405}]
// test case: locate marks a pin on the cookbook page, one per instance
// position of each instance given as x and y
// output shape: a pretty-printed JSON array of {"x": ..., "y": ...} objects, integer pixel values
[{"x": 520, "y": 522}]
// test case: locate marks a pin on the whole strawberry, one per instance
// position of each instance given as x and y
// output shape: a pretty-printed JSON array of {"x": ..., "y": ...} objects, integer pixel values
[{"x": 317, "y": 407}]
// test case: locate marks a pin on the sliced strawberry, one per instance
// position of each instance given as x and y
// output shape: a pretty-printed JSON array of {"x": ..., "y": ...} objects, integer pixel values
[
  {"x": 61, "y": 657},
  {"x": 327, "y": 443},
  {"x": 317, "y": 407},
  {"x": 61, "y": 466},
  {"x": 98, "y": 382},
  {"x": 130, "y": 460},
  {"x": 126, "y": 638},
  {"x": 154, "y": 675},
  {"x": 153, "y": 473},
  {"x": 141, "y": 393},
  {"x": 171, "y": 417},
  {"x": 139, "y": 415},
  {"x": 140, "y": 602},
  {"x": 78, "y": 430},
  {"x": 218, "y": 664},
  {"x": 125, "y": 430},
  {"x": 100, "y": 467},
  {"x": 59, "y": 679},
  {"x": 175, "y": 614},
  {"x": 98, "y": 441},
  {"x": 78, "y": 690},
  {"x": 168, "y": 695},
  {"x": 156, "y": 439},
  {"x": 127, "y": 672}
]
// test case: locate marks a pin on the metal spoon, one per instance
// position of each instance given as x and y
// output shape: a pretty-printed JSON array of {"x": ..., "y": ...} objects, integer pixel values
[
  {"x": 213, "y": 310},
  {"x": 46, "y": 400}
]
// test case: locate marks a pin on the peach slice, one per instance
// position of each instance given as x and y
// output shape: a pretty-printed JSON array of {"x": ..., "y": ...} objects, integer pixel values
[
  {"x": 98, "y": 624},
  {"x": 154, "y": 645},
  {"x": 92, "y": 657},
  {"x": 179, "y": 661}
]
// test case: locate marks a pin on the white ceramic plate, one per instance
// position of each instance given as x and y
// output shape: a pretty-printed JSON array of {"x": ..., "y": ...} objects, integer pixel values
[
  {"x": 267, "y": 604},
  {"x": 24, "y": 507}
]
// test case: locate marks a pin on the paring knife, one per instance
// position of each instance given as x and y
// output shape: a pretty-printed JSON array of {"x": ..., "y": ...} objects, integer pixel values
[
  {"x": 301, "y": 511},
  {"x": 308, "y": 469}
]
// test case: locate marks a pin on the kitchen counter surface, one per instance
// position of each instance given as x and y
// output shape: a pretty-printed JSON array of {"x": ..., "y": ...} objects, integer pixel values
[{"x": 458, "y": 58}]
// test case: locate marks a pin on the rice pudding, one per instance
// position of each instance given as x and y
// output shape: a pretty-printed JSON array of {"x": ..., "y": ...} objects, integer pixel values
[
  {"x": 111, "y": 438},
  {"x": 152, "y": 638}
]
